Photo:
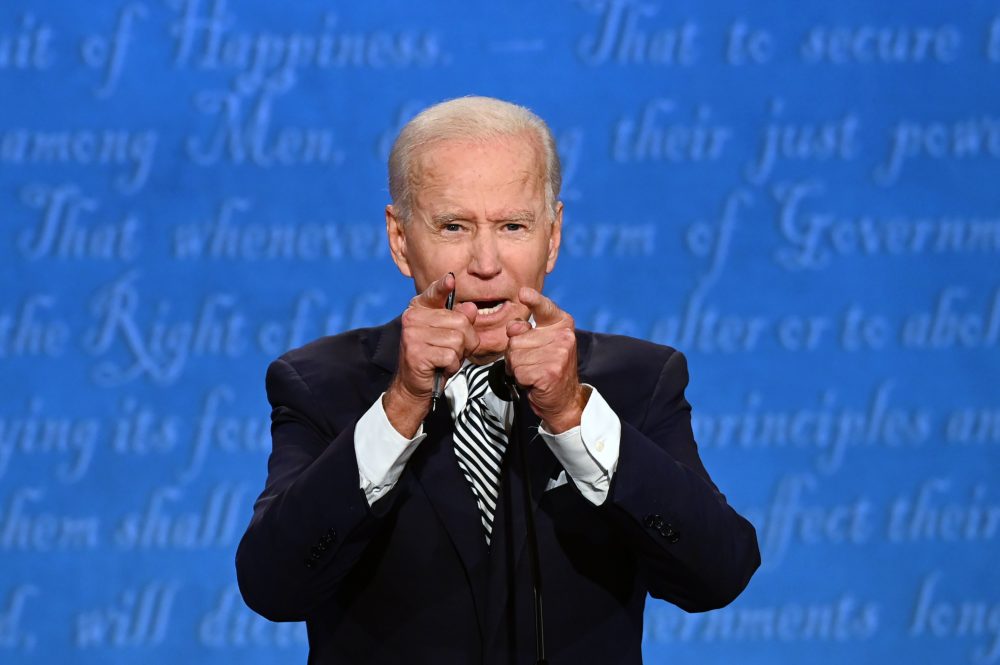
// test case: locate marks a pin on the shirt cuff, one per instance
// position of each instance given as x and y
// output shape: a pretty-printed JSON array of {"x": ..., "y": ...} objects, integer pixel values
[
  {"x": 382, "y": 452},
  {"x": 589, "y": 452}
]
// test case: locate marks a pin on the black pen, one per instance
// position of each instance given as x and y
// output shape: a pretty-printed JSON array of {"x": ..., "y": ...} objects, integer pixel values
[{"x": 439, "y": 373}]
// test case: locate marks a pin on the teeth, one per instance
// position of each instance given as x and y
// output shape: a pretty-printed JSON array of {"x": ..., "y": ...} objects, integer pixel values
[{"x": 490, "y": 310}]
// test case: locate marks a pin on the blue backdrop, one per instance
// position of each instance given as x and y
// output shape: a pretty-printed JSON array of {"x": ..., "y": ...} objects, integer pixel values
[{"x": 802, "y": 196}]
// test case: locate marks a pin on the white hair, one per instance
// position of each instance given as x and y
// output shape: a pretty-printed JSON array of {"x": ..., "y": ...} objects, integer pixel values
[{"x": 469, "y": 119}]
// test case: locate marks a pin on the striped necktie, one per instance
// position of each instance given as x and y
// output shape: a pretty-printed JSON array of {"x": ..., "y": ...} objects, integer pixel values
[{"x": 480, "y": 442}]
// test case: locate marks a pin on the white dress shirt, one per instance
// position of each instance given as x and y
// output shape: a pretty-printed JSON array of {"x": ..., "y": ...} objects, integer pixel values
[{"x": 588, "y": 452}]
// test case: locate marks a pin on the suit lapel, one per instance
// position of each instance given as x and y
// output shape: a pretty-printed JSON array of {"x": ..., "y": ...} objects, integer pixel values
[{"x": 436, "y": 469}]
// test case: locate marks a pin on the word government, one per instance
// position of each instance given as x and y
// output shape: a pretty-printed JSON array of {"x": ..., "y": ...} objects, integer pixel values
[
  {"x": 205, "y": 38},
  {"x": 812, "y": 239}
]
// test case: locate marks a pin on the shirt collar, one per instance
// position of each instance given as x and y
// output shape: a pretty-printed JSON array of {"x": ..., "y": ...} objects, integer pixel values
[{"x": 457, "y": 393}]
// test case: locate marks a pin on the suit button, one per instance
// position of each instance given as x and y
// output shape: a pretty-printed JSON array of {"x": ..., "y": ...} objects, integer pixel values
[
  {"x": 331, "y": 534},
  {"x": 667, "y": 531},
  {"x": 653, "y": 522},
  {"x": 310, "y": 563}
]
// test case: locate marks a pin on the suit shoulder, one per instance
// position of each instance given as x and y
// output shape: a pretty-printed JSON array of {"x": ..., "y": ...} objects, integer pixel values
[
  {"x": 627, "y": 370},
  {"x": 625, "y": 352},
  {"x": 350, "y": 346},
  {"x": 344, "y": 356}
]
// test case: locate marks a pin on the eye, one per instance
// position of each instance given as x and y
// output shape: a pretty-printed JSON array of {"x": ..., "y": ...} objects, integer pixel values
[
  {"x": 513, "y": 226},
  {"x": 452, "y": 227}
]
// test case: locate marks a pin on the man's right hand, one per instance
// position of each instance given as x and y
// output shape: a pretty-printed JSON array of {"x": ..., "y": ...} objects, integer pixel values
[{"x": 432, "y": 338}]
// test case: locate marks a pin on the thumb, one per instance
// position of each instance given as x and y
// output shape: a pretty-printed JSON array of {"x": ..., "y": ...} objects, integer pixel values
[{"x": 517, "y": 327}]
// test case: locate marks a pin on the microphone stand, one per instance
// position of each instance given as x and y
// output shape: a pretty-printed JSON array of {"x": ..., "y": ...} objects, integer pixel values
[{"x": 503, "y": 385}]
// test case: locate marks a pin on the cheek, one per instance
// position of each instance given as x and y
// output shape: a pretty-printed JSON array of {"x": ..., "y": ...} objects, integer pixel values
[
  {"x": 538, "y": 273},
  {"x": 430, "y": 263},
  {"x": 528, "y": 265}
]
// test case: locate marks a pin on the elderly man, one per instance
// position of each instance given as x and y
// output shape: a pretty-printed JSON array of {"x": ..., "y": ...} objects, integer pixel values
[{"x": 398, "y": 532}]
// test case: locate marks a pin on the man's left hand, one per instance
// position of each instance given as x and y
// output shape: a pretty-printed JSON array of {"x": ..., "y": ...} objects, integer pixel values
[{"x": 543, "y": 360}]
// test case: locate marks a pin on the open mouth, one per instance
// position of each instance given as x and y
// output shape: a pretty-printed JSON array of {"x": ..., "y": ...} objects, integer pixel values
[{"x": 487, "y": 307}]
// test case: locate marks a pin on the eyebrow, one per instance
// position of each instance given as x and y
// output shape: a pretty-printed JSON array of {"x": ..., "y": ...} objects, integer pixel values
[
  {"x": 447, "y": 218},
  {"x": 515, "y": 216},
  {"x": 506, "y": 216}
]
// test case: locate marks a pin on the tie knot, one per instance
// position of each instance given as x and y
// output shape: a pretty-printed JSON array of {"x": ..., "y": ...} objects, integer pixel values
[{"x": 477, "y": 378}]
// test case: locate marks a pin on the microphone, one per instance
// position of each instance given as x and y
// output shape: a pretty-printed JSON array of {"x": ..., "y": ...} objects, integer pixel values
[
  {"x": 501, "y": 383},
  {"x": 504, "y": 386}
]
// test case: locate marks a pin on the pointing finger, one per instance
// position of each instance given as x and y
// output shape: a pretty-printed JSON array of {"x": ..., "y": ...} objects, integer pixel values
[{"x": 545, "y": 311}]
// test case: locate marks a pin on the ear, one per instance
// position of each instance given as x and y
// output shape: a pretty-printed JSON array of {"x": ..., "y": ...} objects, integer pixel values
[
  {"x": 396, "y": 233},
  {"x": 555, "y": 238}
]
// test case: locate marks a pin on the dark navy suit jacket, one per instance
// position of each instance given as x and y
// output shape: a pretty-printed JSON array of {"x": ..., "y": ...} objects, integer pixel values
[{"x": 410, "y": 580}]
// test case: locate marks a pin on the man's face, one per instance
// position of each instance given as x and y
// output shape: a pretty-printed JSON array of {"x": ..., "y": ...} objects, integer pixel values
[{"x": 478, "y": 210}]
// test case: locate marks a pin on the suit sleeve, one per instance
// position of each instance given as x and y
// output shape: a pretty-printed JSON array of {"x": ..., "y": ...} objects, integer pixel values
[
  {"x": 312, "y": 521},
  {"x": 693, "y": 549}
]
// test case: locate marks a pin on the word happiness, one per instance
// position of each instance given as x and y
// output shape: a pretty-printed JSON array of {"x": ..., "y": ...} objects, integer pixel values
[{"x": 205, "y": 38}]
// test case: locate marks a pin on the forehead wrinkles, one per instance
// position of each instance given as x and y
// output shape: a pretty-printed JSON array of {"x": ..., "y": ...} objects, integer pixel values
[{"x": 430, "y": 169}]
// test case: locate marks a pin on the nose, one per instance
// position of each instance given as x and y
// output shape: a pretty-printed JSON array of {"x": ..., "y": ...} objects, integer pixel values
[{"x": 484, "y": 261}]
